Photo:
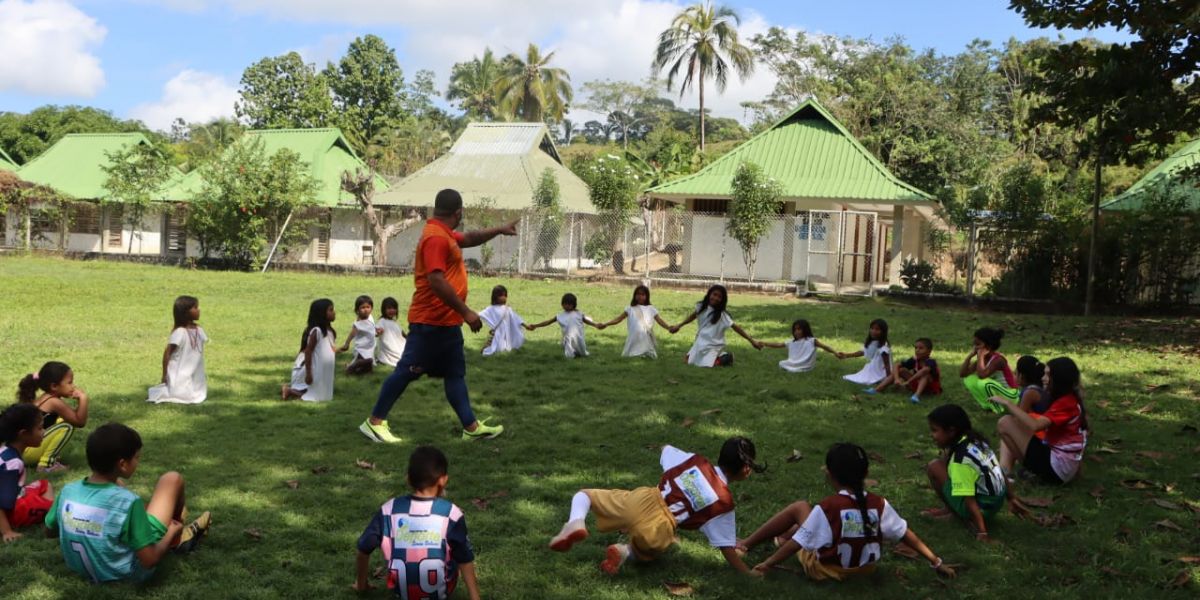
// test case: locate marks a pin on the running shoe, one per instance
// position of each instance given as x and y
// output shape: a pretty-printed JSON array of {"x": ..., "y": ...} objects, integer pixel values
[
  {"x": 483, "y": 431},
  {"x": 378, "y": 433},
  {"x": 189, "y": 538},
  {"x": 614, "y": 557},
  {"x": 572, "y": 533}
]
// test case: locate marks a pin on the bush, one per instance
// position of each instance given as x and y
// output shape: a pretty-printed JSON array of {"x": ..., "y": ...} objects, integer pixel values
[{"x": 918, "y": 276}]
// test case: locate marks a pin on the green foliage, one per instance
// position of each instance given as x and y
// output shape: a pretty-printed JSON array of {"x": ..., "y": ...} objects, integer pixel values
[
  {"x": 752, "y": 209},
  {"x": 29, "y": 203},
  {"x": 245, "y": 199},
  {"x": 484, "y": 214},
  {"x": 613, "y": 187},
  {"x": 207, "y": 141},
  {"x": 134, "y": 178},
  {"x": 284, "y": 92},
  {"x": 549, "y": 212},
  {"x": 627, "y": 105},
  {"x": 530, "y": 90},
  {"x": 25, "y": 136},
  {"x": 368, "y": 88},
  {"x": 474, "y": 86},
  {"x": 918, "y": 276}
]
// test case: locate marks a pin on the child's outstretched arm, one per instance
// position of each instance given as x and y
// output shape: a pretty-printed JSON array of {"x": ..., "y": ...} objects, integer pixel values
[
  {"x": 731, "y": 556},
  {"x": 773, "y": 344},
  {"x": 362, "y": 564},
  {"x": 824, "y": 346},
  {"x": 349, "y": 338},
  {"x": 911, "y": 540},
  {"x": 691, "y": 317},
  {"x": 542, "y": 324},
  {"x": 661, "y": 322},
  {"x": 9, "y": 534},
  {"x": 468, "y": 576},
  {"x": 167, "y": 360},
  {"x": 742, "y": 332},
  {"x": 588, "y": 320},
  {"x": 618, "y": 319},
  {"x": 786, "y": 549}
]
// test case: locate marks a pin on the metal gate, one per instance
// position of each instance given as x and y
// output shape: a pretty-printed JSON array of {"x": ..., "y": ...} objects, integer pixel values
[{"x": 841, "y": 252}]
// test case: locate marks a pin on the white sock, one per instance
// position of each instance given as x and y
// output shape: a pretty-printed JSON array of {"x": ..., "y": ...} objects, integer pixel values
[{"x": 580, "y": 505}]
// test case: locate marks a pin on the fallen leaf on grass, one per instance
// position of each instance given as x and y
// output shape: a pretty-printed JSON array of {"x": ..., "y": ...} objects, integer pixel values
[
  {"x": 1111, "y": 571},
  {"x": 480, "y": 503},
  {"x": 673, "y": 381},
  {"x": 901, "y": 419},
  {"x": 1168, "y": 524},
  {"x": 876, "y": 457},
  {"x": 688, "y": 422},
  {"x": 1181, "y": 579},
  {"x": 870, "y": 483},
  {"x": 795, "y": 456},
  {"x": 1189, "y": 560},
  {"x": 292, "y": 483},
  {"x": 1151, "y": 454},
  {"x": 1038, "y": 502},
  {"x": 1097, "y": 492},
  {"x": 1103, "y": 403},
  {"x": 1107, "y": 450},
  {"x": 711, "y": 411},
  {"x": 1123, "y": 535},
  {"x": 362, "y": 464},
  {"x": 254, "y": 533},
  {"x": 898, "y": 573},
  {"x": 320, "y": 470},
  {"x": 904, "y": 550},
  {"x": 679, "y": 588},
  {"x": 499, "y": 494},
  {"x": 1145, "y": 410},
  {"x": 1156, "y": 387},
  {"x": 1053, "y": 520},
  {"x": 1167, "y": 504},
  {"x": 914, "y": 455},
  {"x": 1139, "y": 484}
]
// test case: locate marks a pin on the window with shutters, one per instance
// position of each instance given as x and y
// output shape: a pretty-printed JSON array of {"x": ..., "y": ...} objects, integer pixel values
[
  {"x": 322, "y": 244},
  {"x": 710, "y": 205},
  {"x": 115, "y": 236},
  {"x": 174, "y": 234},
  {"x": 85, "y": 218},
  {"x": 43, "y": 225}
]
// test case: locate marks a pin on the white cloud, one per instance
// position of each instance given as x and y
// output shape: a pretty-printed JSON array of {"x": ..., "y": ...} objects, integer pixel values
[
  {"x": 46, "y": 48},
  {"x": 194, "y": 96}
]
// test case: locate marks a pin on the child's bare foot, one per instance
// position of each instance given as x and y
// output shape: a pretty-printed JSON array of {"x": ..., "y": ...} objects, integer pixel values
[
  {"x": 940, "y": 512},
  {"x": 285, "y": 391}
]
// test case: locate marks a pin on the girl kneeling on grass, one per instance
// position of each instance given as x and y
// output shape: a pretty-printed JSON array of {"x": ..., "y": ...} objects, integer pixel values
[
  {"x": 571, "y": 321},
  {"x": 1056, "y": 458},
  {"x": 506, "y": 328},
  {"x": 642, "y": 316},
  {"x": 802, "y": 350},
  {"x": 713, "y": 321},
  {"x": 312, "y": 372},
  {"x": 57, "y": 382},
  {"x": 843, "y": 534},
  {"x": 183, "y": 378}
]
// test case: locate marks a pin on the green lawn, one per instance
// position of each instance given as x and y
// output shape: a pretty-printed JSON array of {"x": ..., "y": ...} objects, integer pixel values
[{"x": 589, "y": 423}]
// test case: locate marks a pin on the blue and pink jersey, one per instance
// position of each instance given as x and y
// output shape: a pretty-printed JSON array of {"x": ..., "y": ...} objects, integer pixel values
[{"x": 424, "y": 540}]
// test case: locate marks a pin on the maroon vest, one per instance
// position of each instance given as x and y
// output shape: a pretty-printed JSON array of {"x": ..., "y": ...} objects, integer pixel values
[
  {"x": 695, "y": 493},
  {"x": 851, "y": 548}
]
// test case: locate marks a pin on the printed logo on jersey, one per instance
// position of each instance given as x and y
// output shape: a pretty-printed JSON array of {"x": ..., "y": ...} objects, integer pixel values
[
  {"x": 409, "y": 532},
  {"x": 852, "y": 524},
  {"x": 84, "y": 520},
  {"x": 696, "y": 488}
]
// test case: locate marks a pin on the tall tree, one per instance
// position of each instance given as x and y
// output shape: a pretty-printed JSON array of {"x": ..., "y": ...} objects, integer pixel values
[
  {"x": 368, "y": 88},
  {"x": 25, "y": 136},
  {"x": 284, "y": 92},
  {"x": 361, "y": 185},
  {"x": 473, "y": 85},
  {"x": 623, "y": 102},
  {"x": 135, "y": 177},
  {"x": 704, "y": 39},
  {"x": 752, "y": 210},
  {"x": 531, "y": 90}
]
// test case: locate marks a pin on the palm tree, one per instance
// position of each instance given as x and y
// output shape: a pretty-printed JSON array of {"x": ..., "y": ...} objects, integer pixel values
[
  {"x": 473, "y": 84},
  {"x": 532, "y": 91},
  {"x": 704, "y": 38}
]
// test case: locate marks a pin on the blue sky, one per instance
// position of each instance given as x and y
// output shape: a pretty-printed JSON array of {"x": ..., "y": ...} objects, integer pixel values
[{"x": 157, "y": 59}]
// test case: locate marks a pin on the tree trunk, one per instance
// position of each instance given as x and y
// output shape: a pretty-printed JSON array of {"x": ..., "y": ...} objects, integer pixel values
[
  {"x": 1091, "y": 270},
  {"x": 702, "y": 107}
]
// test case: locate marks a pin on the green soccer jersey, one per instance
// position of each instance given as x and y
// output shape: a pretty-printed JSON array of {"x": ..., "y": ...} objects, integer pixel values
[
  {"x": 100, "y": 529},
  {"x": 974, "y": 471}
]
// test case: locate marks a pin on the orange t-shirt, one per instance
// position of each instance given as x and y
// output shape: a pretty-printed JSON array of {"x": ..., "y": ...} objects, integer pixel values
[{"x": 437, "y": 250}]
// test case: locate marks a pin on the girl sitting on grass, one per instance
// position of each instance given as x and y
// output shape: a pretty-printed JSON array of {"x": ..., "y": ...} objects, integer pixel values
[
  {"x": 1029, "y": 380},
  {"x": 56, "y": 381},
  {"x": 967, "y": 478},
  {"x": 571, "y": 321},
  {"x": 312, "y": 372},
  {"x": 985, "y": 371},
  {"x": 713, "y": 321},
  {"x": 1055, "y": 458},
  {"x": 878, "y": 354},
  {"x": 391, "y": 336},
  {"x": 639, "y": 341},
  {"x": 507, "y": 333},
  {"x": 362, "y": 335},
  {"x": 802, "y": 350},
  {"x": 183, "y": 377},
  {"x": 842, "y": 535}
]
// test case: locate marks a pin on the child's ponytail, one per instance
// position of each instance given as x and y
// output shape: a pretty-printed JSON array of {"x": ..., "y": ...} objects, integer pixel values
[
  {"x": 847, "y": 463},
  {"x": 51, "y": 373},
  {"x": 738, "y": 453}
]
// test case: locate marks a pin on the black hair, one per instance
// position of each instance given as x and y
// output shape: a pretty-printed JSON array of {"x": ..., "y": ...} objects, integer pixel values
[
  {"x": 497, "y": 292},
  {"x": 805, "y": 328},
  {"x": 570, "y": 300},
  {"x": 317, "y": 312},
  {"x": 737, "y": 453},
  {"x": 361, "y": 300},
  {"x": 928, "y": 342},
  {"x": 182, "y": 310},
  {"x": 51, "y": 373},
  {"x": 990, "y": 336},
  {"x": 952, "y": 416},
  {"x": 426, "y": 465},
  {"x": 719, "y": 309},
  {"x": 17, "y": 418},
  {"x": 1031, "y": 369},
  {"x": 109, "y": 444},
  {"x": 387, "y": 303},
  {"x": 847, "y": 464},
  {"x": 641, "y": 288},
  {"x": 883, "y": 333},
  {"x": 447, "y": 203},
  {"x": 1064, "y": 380}
]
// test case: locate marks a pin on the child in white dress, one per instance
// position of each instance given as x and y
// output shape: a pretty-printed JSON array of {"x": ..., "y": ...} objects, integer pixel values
[
  {"x": 802, "y": 350},
  {"x": 391, "y": 336},
  {"x": 362, "y": 335},
  {"x": 312, "y": 373},
  {"x": 507, "y": 328},
  {"x": 642, "y": 316},
  {"x": 571, "y": 321},
  {"x": 183, "y": 378},
  {"x": 878, "y": 354},
  {"x": 713, "y": 321}
]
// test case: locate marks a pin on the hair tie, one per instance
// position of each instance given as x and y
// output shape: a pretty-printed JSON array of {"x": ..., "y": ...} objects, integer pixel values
[{"x": 34, "y": 375}]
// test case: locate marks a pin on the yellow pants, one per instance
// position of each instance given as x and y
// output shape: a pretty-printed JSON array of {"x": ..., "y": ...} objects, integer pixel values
[
  {"x": 819, "y": 571},
  {"x": 641, "y": 513},
  {"x": 53, "y": 442}
]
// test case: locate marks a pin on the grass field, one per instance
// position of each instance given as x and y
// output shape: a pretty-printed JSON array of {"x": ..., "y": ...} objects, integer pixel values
[{"x": 593, "y": 422}]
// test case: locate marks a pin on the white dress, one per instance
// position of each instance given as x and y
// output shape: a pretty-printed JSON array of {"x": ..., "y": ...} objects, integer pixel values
[
  {"x": 364, "y": 339},
  {"x": 640, "y": 339},
  {"x": 186, "y": 381},
  {"x": 874, "y": 371},
  {"x": 802, "y": 356},
  {"x": 506, "y": 324},
  {"x": 710, "y": 337},
  {"x": 391, "y": 343},
  {"x": 321, "y": 389},
  {"x": 572, "y": 333}
]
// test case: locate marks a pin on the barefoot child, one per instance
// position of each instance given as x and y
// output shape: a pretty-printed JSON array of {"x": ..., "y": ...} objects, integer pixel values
[
  {"x": 985, "y": 371},
  {"x": 312, "y": 373},
  {"x": 878, "y": 354},
  {"x": 423, "y": 536},
  {"x": 362, "y": 335},
  {"x": 391, "y": 336},
  {"x": 967, "y": 478},
  {"x": 712, "y": 322},
  {"x": 842, "y": 535},
  {"x": 183, "y": 378},
  {"x": 692, "y": 494},
  {"x": 105, "y": 531},
  {"x": 20, "y": 505},
  {"x": 641, "y": 315},
  {"x": 57, "y": 382},
  {"x": 1056, "y": 457},
  {"x": 571, "y": 321},
  {"x": 506, "y": 327},
  {"x": 920, "y": 373},
  {"x": 802, "y": 350}
]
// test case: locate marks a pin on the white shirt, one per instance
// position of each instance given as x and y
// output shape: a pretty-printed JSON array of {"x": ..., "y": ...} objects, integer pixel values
[
  {"x": 186, "y": 380},
  {"x": 875, "y": 370},
  {"x": 391, "y": 342},
  {"x": 505, "y": 324},
  {"x": 802, "y": 356},
  {"x": 710, "y": 337},
  {"x": 721, "y": 530},
  {"x": 639, "y": 340},
  {"x": 572, "y": 333},
  {"x": 364, "y": 338},
  {"x": 815, "y": 533}
]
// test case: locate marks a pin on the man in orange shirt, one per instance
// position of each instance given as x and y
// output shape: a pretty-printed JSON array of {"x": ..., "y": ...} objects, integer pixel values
[{"x": 435, "y": 318}]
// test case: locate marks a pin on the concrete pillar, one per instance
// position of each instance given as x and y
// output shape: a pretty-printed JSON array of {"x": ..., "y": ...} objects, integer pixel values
[{"x": 898, "y": 231}]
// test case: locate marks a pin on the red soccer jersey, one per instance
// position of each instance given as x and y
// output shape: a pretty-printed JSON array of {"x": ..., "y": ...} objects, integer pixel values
[{"x": 694, "y": 492}]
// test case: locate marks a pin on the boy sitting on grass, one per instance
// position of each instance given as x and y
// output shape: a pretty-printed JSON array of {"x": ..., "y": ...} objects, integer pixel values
[
  {"x": 423, "y": 536},
  {"x": 106, "y": 533}
]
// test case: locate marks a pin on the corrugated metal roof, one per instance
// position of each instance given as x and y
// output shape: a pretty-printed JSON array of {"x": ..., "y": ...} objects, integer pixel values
[
  {"x": 502, "y": 161},
  {"x": 6, "y": 162},
  {"x": 74, "y": 165},
  {"x": 1186, "y": 157},
  {"x": 811, "y": 155}
]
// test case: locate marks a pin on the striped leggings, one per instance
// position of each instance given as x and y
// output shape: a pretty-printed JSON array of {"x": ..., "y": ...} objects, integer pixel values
[{"x": 53, "y": 442}]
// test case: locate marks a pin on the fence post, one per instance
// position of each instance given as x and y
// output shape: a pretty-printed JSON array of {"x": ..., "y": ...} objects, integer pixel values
[
  {"x": 723, "y": 230},
  {"x": 646, "y": 245},
  {"x": 521, "y": 243},
  {"x": 570, "y": 242},
  {"x": 971, "y": 262}
]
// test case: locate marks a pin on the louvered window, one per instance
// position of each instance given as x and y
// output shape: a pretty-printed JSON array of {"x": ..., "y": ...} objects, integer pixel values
[
  {"x": 115, "y": 237},
  {"x": 85, "y": 218}
]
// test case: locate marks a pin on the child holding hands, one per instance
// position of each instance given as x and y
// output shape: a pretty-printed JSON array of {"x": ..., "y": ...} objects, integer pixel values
[{"x": 802, "y": 350}]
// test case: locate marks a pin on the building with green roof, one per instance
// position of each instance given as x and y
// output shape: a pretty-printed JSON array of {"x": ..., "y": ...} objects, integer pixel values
[
  {"x": 841, "y": 208},
  {"x": 1186, "y": 158}
]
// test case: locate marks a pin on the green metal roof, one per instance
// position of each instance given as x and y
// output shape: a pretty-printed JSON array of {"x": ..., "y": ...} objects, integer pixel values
[
  {"x": 74, "y": 165},
  {"x": 811, "y": 155},
  {"x": 326, "y": 151},
  {"x": 6, "y": 162},
  {"x": 1131, "y": 199},
  {"x": 502, "y": 161}
]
